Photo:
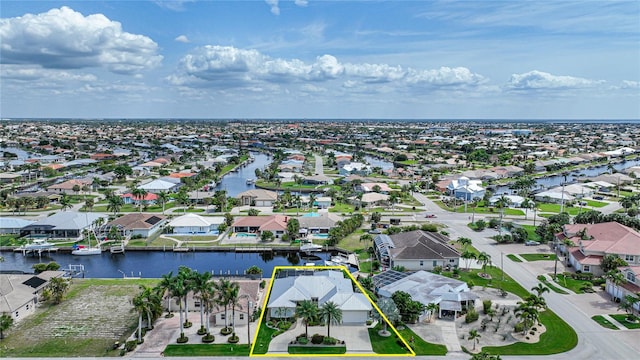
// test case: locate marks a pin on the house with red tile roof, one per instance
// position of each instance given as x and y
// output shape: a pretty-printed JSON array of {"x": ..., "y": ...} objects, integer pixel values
[
  {"x": 67, "y": 186},
  {"x": 594, "y": 241},
  {"x": 147, "y": 199},
  {"x": 277, "y": 224}
]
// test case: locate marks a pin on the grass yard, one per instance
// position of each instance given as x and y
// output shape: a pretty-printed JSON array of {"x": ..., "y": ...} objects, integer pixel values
[
  {"x": 342, "y": 208},
  {"x": 263, "y": 339},
  {"x": 421, "y": 347},
  {"x": 514, "y": 258},
  {"x": 508, "y": 284},
  {"x": 352, "y": 241},
  {"x": 558, "y": 338},
  {"x": 538, "y": 257},
  {"x": 604, "y": 322},
  {"x": 206, "y": 350},
  {"x": 317, "y": 350},
  {"x": 552, "y": 287},
  {"x": 572, "y": 284},
  {"x": 531, "y": 232},
  {"x": 621, "y": 318},
  {"x": 595, "y": 203},
  {"x": 555, "y": 208},
  {"x": 386, "y": 344}
]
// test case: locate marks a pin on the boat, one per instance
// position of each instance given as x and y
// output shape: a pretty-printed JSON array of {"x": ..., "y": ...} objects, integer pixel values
[
  {"x": 310, "y": 247},
  {"x": 251, "y": 181},
  {"x": 39, "y": 244},
  {"x": 97, "y": 250}
]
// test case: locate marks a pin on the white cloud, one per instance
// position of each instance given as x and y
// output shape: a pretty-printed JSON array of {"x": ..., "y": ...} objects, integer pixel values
[
  {"x": 225, "y": 67},
  {"x": 275, "y": 10},
  {"x": 538, "y": 80},
  {"x": 174, "y": 5},
  {"x": 66, "y": 39},
  {"x": 301, "y": 2},
  {"x": 628, "y": 84},
  {"x": 183, "y": 39},
  {"x": 33, "y": 73}
]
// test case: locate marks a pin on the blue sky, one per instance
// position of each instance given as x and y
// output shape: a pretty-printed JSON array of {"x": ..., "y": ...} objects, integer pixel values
[{"x": 320, "y": 59}]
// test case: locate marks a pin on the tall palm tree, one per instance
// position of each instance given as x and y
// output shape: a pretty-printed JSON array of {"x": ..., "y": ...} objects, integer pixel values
[
  {"x": 484, "y": 259},
  {"x": 179, "y": 290},
  {"x": 432, "y": 308},
  {"x": 140, "y": 307},
  {"x": 65, "y": 202},
  {"x": 187, "y": 276},
  {"x": 114, "y": 203},
  {"x": 330, "y": 313},
  {"x": 163, "y": 197},
  {"x": 616, "y": 278},
  {"x": 308, "y": 311},
  {"x": 390, "y": 310},
  {"x": 166, "y": 284},
  {"x": 467, "y": 256},
  {"x": 473, "y": 335},
  {"x": 222, "y": 298},
  {"x": 464, "y": 242},
  {"x": 529, "y": 315},
  {"x": 233, "y": 297},
  {"x": 201, "y": 286},
  {"x": 312, "y": 199}
]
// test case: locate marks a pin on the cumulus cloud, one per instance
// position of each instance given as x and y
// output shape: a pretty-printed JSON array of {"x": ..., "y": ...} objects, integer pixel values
[
  {"x": 33, "y": 73},
  {"x": 224, "y": 67},
  {"x": 538, "y": 80},
  {"x": 275, "y": 9},
  {"x": 183, "y": 39},
  {"x": 628, "y": 84},
  {"x": 66, "y": 39},
  {"x": 301, "y": 2}
]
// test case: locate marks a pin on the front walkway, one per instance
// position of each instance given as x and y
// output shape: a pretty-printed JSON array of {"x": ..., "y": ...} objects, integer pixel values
[{"x": 356, "y": 337}]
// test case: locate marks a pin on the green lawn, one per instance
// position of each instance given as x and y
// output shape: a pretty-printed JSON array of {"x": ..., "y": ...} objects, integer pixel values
[
  {"x": 386, "y": 344},
  {"x": 621, "y": 319},
  {"x": 552, "y": 287},
  {"x": 263, "y": 339},
  {"x": 421, "y": 347},
  {"x": 555, "y": 208},
  {"x": 538, "y": 257},
  {"x": 514, "y": 258},
  {"x": 531, "y": 232},
  {"x": 206, "y": 350},
  {"x": 572, "y": 284},
  {"x": 558, "y": 338},
  {"x": 604, "y": 322},
  {"x": 342, "y": 208},
  {"x": 596, "y": 203},
  {"x": 313, "y": 350},
  {"x": 508, "y": 284}
]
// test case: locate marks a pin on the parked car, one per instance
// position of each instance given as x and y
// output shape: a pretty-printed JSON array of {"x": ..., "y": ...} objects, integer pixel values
[
  {"x": 531, "y": 243},
  {"x": 430, "y": 216}
]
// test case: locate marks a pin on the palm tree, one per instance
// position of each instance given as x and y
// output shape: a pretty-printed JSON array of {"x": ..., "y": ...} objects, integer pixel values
[
  {"x": 540, "y": 289},
  {"x": 484, "y": 259},
  {"x": 222, "y": 299},
  {"x": 464, "y": 242},
  {"x": 179, "y": 290},
  {"x": 467, "y": 256},
  {"x": 187, "y": 276},
  {"x": 474, "y": 205},
  {"x": 526, "y": 204},
  {"x": 58, "y": 287},
  {"x": 502, "y": 202},
  {"x": 308, "y": 311},
  {"x": 233, "y": 297},
  {"x": 140, "y": 307},
  {"x": 163, "y": 197},
  {"x": 139, "y": 194},
  {"x": 390, "y": 310},
  {"x": 330, "y": 313},
  {"x": 167, "y": 282},
  {"x": 65, "y": 202},
  {"x": 6, "y": 321},
  {"x": 529, "y": 315},
  {"x": 114, "y": 203},
  {"x": 312, "y": 199},
  {"x": 201, "y": 286},
  {"x": 182, "y": 198},
  {"x": 616, "y": 278},
  {"x": 433, "y": 309},
  {"x": 473, "y": 335}
]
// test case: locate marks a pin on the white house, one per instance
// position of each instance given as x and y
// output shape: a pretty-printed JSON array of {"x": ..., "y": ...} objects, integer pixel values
[
  {"x": 140, "y": 224},
  {"x": 466, "y": 189},
  {"x": 19, "y": 292},
  {"x": 196, "y": 224},
  {"x": 320, "y": 287},
  {"x": 159, "y": 185}
]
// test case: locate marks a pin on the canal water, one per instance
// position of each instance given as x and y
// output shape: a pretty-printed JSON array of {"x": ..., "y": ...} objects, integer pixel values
[
  {"x": 154, "y": 264},
  {"x": 236, "y": 182}
]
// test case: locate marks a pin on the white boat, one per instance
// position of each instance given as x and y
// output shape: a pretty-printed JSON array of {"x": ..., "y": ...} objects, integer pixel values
[
  {"x": 251, "y": 181},
  {"x": 88, "y": 250},
  {"x": 309, "y": 247},
  {"x": 39, "y": 244}
]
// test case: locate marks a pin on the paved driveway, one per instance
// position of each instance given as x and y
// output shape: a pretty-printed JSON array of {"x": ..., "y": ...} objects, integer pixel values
[{"x": 355, "y": 337}]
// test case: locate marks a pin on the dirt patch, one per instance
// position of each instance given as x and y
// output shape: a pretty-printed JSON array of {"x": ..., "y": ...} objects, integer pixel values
[{"x": 86, "y": 323}]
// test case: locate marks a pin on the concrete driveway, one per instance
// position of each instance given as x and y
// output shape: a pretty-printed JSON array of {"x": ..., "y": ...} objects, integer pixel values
[{"x": 356, "y": 337}]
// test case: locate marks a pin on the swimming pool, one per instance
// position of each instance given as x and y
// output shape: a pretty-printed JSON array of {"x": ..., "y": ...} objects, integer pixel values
[
  {"x": 245, "y": 235},
  {"x": 321, "y": 236},
  {"x": 311, "y": 214}
]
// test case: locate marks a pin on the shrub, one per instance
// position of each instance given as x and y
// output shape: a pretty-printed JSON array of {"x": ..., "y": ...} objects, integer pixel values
[
  {"x": 472, "y": 315},
  {"x": 519, "y": 327},
  {"x": 284, "y": 325},
  {"x": 486, "y": 305},
  {"x": 303, "y": 341},
  {"x": 470, "y": 284},
  {"x": 369, "y": 322},
  {"x": 329, "y": 341},
  {"x": 317, "y": 339},
  {"x": 130, "y": 345},
  {"x": 262, "y": 284},
  {"x": 437, "y": 269}
]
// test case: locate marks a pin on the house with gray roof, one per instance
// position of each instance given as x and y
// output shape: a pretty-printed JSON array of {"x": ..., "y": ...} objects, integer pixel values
[
  {"x": 451, "y": 295},
  {"x": 319, "y": 287},
  {"x": 415, "y": 250},
  {"x": 19, "y": 292},
  {"x": 9, "y": 225},
  {"x": 62, "y": 225}
]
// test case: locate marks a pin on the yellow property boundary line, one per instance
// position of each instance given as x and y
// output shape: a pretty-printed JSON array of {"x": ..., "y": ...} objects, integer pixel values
[{"x": 316, "y": 268}]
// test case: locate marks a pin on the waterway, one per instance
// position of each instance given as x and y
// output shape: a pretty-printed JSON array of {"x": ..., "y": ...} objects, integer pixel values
[
  {"x": 154, "y": 264},
  {"x": 572, "y": 176},
  {"x": 236, "y": 182}
]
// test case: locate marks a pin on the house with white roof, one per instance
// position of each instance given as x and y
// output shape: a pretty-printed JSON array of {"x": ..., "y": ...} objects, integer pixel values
[
  {"x": 158, "y": 185},
  {"x": 320, "y": 287},
  {"x": 195, "y": 224},
  {"x": 466, "y": 189},
  {"x": 356, "y": 168}
]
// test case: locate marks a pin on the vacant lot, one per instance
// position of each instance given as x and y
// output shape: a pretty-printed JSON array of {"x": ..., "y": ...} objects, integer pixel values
[{"x": 94, "y": 314}]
